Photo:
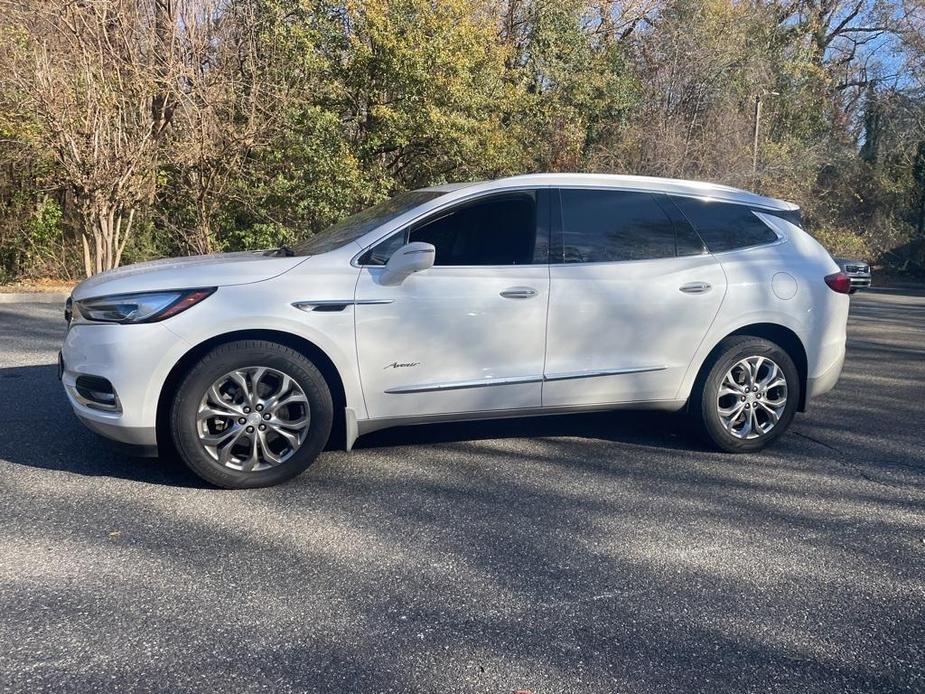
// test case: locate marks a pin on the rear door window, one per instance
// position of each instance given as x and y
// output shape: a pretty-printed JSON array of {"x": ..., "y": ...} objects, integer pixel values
[{"x": 601, "y": 226}]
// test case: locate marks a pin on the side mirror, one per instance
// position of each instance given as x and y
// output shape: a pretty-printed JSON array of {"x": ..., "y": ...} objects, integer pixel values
[{"x": 410, "y": 258}]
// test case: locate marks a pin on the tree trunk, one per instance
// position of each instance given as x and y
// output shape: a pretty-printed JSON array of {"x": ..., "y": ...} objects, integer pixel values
[
  {"x": 203, "y": 230},
  {"x": 110, "y": 231},
  {"x": 125, "y": 230},
  {"x": 88, "y": 266},
  {"x": 922, "y": 213}
]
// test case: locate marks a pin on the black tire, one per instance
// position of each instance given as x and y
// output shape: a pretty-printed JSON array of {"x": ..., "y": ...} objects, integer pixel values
[
  {"x": 703, "y": 409},
  {"x": 241, "y": 355}
]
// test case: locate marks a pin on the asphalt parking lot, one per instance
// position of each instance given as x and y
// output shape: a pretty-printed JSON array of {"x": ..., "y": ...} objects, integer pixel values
[{"x": 592, "y": 553}]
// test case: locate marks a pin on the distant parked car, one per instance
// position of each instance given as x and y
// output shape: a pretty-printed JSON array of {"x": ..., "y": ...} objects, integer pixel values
[
  {"x": 858, "y": 272},
  {"x": 529, "y": 295}
]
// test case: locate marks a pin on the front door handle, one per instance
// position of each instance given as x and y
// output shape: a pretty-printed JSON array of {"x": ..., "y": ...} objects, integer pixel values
[
  {"x": 518, "y": 293},
  {"x": 695, "y": 287}
]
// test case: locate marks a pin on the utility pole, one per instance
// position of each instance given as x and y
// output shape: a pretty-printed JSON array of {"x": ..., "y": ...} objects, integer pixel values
[
  {"x": 918, "y": 173},
  {"x": 755, "y": 139}
]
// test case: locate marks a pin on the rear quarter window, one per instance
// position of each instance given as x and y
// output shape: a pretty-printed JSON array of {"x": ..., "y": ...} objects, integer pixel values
[{"x": 725, "y": 226}]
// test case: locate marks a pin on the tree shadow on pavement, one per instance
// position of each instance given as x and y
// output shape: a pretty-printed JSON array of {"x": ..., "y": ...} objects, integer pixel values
[
  {"x": 40, "y": 430},
  {"x": 556, "y": 565}
]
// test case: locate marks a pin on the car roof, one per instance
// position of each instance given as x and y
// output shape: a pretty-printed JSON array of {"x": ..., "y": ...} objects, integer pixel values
[
  {"x": 450, "y": 187},
  {"x": 652, "y": 184}
]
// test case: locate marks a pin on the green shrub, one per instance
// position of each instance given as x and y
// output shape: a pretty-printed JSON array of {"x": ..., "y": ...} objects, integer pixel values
[{"x": 34, "y": 243}]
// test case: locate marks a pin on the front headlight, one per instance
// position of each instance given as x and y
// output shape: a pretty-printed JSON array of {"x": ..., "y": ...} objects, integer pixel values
[{"x": 144, "y": 307}]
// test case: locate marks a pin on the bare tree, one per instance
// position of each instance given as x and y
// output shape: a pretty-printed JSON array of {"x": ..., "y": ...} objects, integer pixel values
[
  {"x": 93, "y": 75},
  {"x": 225, "y": 106}
]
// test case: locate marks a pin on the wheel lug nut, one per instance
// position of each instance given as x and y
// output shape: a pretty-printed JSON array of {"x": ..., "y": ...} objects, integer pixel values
[
  {"x": 743, "y": 398},
  {"x": 241, "y": 420},
  {"x": 246, "y": 410},
  {"x": 747, "y": 406},
  {"x": 250, "y": 430},
  {"x": 259, "y": 408},
  {"x": 263, "y": 427},
  {"x": 266, "y": 416}
]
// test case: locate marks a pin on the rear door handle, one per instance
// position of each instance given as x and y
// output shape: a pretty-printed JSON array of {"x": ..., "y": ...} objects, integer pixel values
[
  {"x": 695, "y": 287},
  {"x": 518, "y": 293}
]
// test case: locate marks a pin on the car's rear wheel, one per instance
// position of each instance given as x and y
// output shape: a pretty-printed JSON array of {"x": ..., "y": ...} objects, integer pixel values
[
  {"x": 746, "y": 396},
  {"x": 251, "y": 414}
]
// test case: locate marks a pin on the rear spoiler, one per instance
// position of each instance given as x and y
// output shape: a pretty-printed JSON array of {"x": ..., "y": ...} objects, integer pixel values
[{"x": 795, "y": 217}]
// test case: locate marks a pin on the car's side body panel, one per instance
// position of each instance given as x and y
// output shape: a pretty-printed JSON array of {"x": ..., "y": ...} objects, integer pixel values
[
  {"x": 448, "y": 340},
  {"x": 631, "y": 318}
]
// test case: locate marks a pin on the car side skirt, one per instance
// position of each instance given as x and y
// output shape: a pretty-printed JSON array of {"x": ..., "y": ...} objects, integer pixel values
[{"x": 356, "y": 428}]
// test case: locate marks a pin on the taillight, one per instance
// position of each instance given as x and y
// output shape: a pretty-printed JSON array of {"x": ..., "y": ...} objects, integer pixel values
[{"x": 839, "y": 282}]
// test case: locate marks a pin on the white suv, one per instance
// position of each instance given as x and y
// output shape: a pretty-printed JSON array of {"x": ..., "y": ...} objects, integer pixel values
[{"x": 528, "y": 295}]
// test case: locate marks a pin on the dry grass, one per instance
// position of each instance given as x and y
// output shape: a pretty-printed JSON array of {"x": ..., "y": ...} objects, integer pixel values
[{"x": 46, "y": 285}]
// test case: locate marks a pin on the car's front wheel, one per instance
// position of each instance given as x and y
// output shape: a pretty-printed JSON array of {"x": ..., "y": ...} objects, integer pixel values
[
  {"x": 746, "y": 396},
  {"x": 251, "y": 414}
]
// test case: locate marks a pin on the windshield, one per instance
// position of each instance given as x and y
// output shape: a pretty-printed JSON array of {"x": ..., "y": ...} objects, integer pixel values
[{"x": 355, "y": 226}]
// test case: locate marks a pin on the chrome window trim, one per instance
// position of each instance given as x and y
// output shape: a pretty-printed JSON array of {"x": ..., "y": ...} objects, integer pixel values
[
  {"x": 740, "y": 203},
  {"x": 639, "y": 260},
  {"x": 469, "y": 267},
  {"x": 780, "y": 242}
]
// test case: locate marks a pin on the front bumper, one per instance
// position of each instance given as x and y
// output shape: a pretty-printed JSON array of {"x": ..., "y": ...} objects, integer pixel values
[
  {"x": 142, "y": 438},
  {"x": 858, "y": 274},
  {"x": 136, "y": 360}
]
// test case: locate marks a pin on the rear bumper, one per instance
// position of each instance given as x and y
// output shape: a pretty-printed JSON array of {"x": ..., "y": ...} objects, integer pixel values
[{"x": 824, "y": 382}]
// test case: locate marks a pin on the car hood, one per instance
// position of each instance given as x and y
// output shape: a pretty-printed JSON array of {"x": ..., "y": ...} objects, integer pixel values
[{"x": 218, "y": 270}]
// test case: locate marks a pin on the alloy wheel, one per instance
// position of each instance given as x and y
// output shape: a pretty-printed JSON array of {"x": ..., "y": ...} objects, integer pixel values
[
  {"x": 253, "y": 418},
  {"x": 752, "y": 397}
]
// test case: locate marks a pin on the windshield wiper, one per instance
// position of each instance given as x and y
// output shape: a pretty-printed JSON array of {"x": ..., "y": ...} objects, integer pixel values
[{"x": 282, "y": 251}]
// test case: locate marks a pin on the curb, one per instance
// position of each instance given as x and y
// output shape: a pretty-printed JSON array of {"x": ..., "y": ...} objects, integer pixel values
[{"x": 33, "y": 298}]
